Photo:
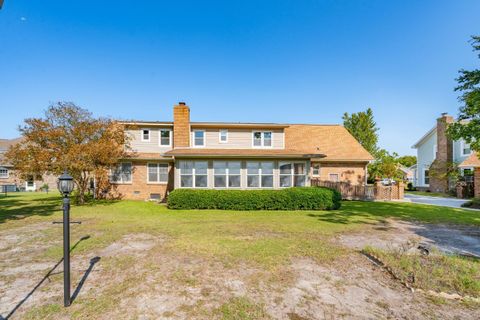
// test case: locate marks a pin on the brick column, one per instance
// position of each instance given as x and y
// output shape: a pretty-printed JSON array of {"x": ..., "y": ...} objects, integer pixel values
[
  {"x": 444, "y": 155},
  {"x": 476, "y": 182}
]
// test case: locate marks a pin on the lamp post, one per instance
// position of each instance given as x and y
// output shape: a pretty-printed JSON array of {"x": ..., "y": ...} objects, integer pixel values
[{"x": 65, "y": 185}]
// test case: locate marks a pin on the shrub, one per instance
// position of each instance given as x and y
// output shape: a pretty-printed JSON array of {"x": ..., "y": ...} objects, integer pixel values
[
  {"x": 474, "y": 203},
  {"x": 300, "y": 198}
]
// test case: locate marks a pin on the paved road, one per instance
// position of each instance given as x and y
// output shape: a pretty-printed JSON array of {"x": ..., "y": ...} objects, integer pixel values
[{"x": 437, "y": 201}]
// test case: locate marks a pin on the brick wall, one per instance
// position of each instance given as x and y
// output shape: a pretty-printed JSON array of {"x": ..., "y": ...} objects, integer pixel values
[
  {"x": 139, "y": 188},
  {"x": 181, "y": 126},
  {"x": 476, "y": 182},
  {"x": 444, "y": 156},
  {"x": 351, "y": 172}
]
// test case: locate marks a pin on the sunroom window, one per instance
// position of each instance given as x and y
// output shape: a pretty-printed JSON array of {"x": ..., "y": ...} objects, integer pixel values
[
  {"x": 193, "y": 174},
  {"x": 292, "y": 174},
  {"x": 260, "y": 174},
  {"x": 226, "y": 174}
]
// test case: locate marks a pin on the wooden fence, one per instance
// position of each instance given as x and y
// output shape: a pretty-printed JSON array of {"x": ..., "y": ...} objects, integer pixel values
[{"x": 371, "y": 192}]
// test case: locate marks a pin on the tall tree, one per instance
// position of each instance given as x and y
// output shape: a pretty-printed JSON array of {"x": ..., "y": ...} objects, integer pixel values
[
  {"x": 468, "y": 126},
  {"x": 385, "y": 165},
  {"x": 407, "y": 161},
  {"x": 69, "y": 138},
  {"x": 363, "y": 127}
]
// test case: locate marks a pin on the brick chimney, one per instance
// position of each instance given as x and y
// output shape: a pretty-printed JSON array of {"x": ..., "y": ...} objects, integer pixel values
[
  {"x": 181, "y": 125},
  {"x": 444, "y": 156}
]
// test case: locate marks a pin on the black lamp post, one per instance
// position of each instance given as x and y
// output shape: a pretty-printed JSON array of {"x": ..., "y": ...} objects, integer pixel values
[{"x": 65, "y": 185}]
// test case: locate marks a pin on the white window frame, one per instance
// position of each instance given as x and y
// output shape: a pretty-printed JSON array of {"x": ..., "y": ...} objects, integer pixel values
[
  {"x": 220, "y": 135},
  {"x": 334, "y": 174},
  {"x": 292, "y": 172},
  {"x": 260, "y": 174},
  {"x": 315, "y": 166},
  {"x": 262, "y": 139},
  {"x": 158, "y": 165},
  {"x": 227, "y": 174},
  {"x": 122, "y": 182},
  {"x": 160, "y": 138},
  {"x": 434, "y": 151},
  {"x": 7, "y": 175},
  {"x": 193, "y": 174},
  {"x": 149, "y": 134},
  {"x": 423, "y": 181},
  {"x": 204, "y": 139},
  {"x": 462, "y": 148}
]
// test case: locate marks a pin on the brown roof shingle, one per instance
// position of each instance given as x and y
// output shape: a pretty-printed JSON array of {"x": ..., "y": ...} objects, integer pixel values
[
  {"x": 471, "y": 161},
  {"x": 240, "y": 152}
]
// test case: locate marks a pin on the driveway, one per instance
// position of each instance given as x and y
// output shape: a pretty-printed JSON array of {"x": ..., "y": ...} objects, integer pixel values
[{"x": 436, "y": 201}]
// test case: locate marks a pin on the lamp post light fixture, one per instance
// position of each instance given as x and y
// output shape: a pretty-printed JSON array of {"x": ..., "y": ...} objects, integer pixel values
[{"x": 65, "y": 185}]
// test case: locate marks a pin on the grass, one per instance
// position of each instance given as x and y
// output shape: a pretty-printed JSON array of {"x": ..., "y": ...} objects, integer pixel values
[
  {"x": 440, "y": 273},
  {"x": 263, "y": 239},
  {"x": 430, "y": 194}
]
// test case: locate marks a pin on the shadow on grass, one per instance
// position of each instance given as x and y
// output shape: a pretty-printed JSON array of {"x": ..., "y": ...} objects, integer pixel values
[
  {"x": 360, "y": 212},
  {"x": 93, "y": 261}
]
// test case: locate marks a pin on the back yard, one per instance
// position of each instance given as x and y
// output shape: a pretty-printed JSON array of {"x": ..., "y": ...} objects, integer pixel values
[{"x": 141, "y": 260}]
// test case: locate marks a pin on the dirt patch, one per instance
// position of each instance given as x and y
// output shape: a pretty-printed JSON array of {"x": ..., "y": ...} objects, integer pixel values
[{"x": 132, "y": 244}]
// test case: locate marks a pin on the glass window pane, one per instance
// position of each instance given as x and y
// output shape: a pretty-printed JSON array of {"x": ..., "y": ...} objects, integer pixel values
[
  {"x": 152, "y": 172},
  {"x": 199, "y": 138},
  {"x": 201, "y": 167},
  {"x": 219, "y": 167},
  {"x": 267, "y": 168},
  {"x": 234, "y": 181},
  {"x": 164, "y": 137},
  {"x": 234, "y": 167},
  {"x": 252, "y": 181},
  {"x": 186, "y": 167},
  {"x": 186, "y": 181},
  {"x": 299, "y": 181},
  {"x": 267, "y": 181},
  {"x": 286, "y": 181},
  {"x": 299, "y": 168},
  {"x": 257, "y": 138},
  {"x": 285, "y": 168},
  {"x": 223, "y": 135},
  {"x": 267, "y": 139},
  {"x": 220, "y": 181},
  {"x": 253, "y": 167},
  {"x": 200, "y": 181},
  {"x": 146, "y": 134}
]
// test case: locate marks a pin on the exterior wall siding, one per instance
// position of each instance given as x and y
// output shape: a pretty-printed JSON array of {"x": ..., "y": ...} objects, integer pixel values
[
  {"x": 239, "y": 138},
  {"x": 153, "y": 145},
  {"x": 425, "y": 157}
]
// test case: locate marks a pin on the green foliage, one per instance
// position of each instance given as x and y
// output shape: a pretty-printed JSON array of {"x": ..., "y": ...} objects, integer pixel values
[
  {"x": 44, "y": 187},
  {"x": 407, "y": 161},
  {"x": 302, "y": 198},
  {"x": 474, "y": 203},
  {"x": 468, "y": 126},
  {"x": 385, "y": 166},
  {"x": 363, "y": 127}
]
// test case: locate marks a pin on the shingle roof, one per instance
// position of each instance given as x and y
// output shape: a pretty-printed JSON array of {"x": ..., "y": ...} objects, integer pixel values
[
  {"x": 241, "y": 152},
  {"x": 471, "y": 161},
  {"x": 334, "y": 141}
]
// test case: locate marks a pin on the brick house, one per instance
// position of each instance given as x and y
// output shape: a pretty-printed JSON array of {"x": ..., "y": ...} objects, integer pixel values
[
  {"x": 223, "y": 155},
  {"x": 436, "y": 152},
  {"x": 10, "y": 180}
]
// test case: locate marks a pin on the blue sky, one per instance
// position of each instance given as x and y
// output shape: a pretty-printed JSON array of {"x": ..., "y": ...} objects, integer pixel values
[{"x": 265, "y": 61}]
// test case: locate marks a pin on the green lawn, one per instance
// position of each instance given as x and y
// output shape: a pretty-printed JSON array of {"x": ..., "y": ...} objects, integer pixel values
[{"x": 264, "y": 239}]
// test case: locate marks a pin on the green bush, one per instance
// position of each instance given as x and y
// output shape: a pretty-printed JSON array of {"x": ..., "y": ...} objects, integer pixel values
[
  {"x": 474, "y": 204},
  {"x": 301, "y": 198}
]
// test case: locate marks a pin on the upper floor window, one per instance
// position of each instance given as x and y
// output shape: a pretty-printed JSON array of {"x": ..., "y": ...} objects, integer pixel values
[
  {"x": 465, "y": 148},
  {"x": 157, "y": 172},
  {"x": 262, "y": 138},
  {"x": 122, "y": 173},
  {"x": 292, "y": 174},
  {"x": 145, "y": 135},
  {"x": 3, "y": 173},
  {"x": 223, "y": 135},
  {"x": 199, "y": 138},
  {"x": 165, "y": 137}
]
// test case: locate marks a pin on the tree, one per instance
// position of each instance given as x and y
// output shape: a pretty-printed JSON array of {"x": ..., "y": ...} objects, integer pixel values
[
  {"x": 407, "y": 161},
  {"x": 468, "y": 125},
  {"x": 385, "y": 165},
  {"x": 69, "y": 138},
  {"x": 363, "y": 127}
]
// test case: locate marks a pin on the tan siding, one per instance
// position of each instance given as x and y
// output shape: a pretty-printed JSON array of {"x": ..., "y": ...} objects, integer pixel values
[
  {"x": 147, "y": 146},
  {"x": 239, "y": 139}
]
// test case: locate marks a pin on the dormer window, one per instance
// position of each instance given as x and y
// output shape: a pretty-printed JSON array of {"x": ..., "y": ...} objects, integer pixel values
[
  {"x": 145, "y": 135},
  {"x": 199, "y": 138},
  {"x": 223, "y": 135},
  {"x": 262, "y": 138}
]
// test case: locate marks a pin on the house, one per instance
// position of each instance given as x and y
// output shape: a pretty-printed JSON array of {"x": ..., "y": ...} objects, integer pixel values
[
  {"x": 9, "y": 178},
  {"x": 408, "y": 174},
  {"x": 435, "y": 151},
  {"x": 225, "y": 155}
]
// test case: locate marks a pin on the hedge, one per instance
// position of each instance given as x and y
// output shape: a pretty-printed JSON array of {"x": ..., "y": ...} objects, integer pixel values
[{"x": 299, "y": 198}]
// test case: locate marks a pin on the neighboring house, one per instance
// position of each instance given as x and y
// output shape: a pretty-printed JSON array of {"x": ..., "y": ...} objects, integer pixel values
[
  {"x": 408, "y": 174},
  {"x": 436, "y": 151},
  {"x": 223, "y": 155},
  {"x": 9, "y": 178}
]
